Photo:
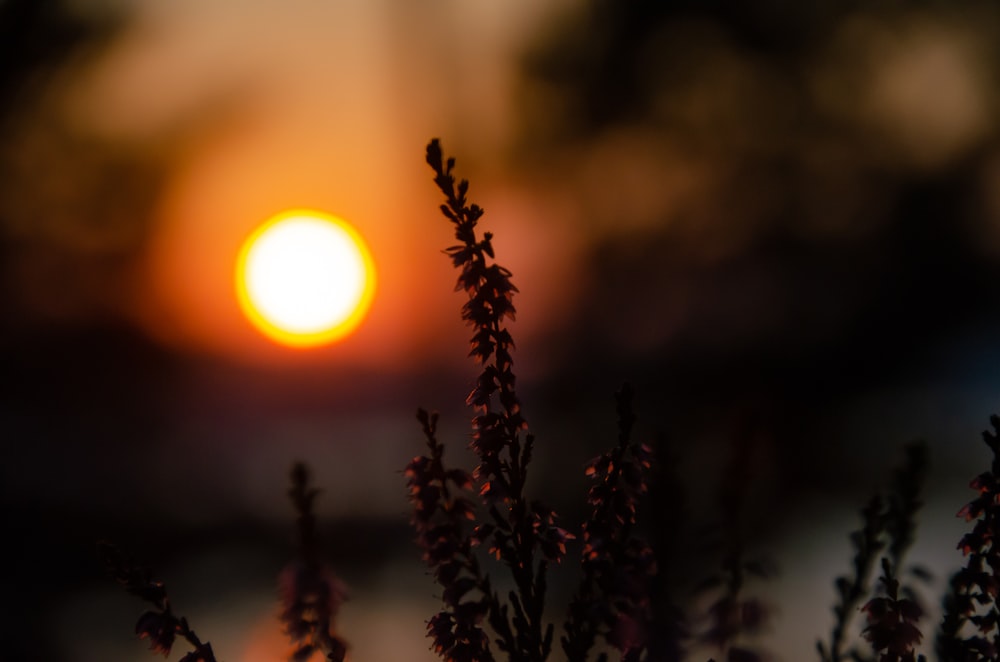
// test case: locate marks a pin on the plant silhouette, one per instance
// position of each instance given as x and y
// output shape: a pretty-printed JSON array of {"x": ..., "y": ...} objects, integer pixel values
[
  {"x": 972, "y": 596},
  {"x": 471, "y": 524},
  {"x": 612, "y": 601},
  {"x": 311, "y": 594},
  {"x": 160, "y": 625}
]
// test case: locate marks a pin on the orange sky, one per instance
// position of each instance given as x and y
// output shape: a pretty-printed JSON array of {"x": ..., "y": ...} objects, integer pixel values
[{"x": 328, "y": 106}]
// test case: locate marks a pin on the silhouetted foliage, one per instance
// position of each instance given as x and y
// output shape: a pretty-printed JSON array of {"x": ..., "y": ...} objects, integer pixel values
[
  {"x": 893, "y": 613},
  {"x": 456, "y": 515},
  {"x": 613, "y": 599},
  {"x": 521, "y": 533},
  {"x": 440, "y": 511},
  {"x": 893, "y": 616},
  {"x": 852, "y": 589},
  {"x": 311, "y": 595},
  {"x": 972, "y": 596},
  {"x": 893, "y": 619},
  {"x": 160, "y": 625}
]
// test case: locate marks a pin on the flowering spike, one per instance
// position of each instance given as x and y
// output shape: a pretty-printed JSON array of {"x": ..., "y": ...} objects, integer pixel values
[
  {"x": 524, "y": 536},
  {"x": 613, "y": 600},
  {"x": 973, "y": 590},
  {"x": 311, "y": 594},
  {"x": 160, "y": 625}
]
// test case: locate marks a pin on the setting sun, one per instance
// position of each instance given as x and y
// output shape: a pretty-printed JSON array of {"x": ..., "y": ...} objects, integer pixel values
[{"x": 305, "y": 278}]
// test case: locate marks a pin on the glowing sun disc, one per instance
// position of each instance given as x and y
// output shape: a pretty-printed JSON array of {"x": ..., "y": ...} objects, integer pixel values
[{"x": 305, "y": 278}]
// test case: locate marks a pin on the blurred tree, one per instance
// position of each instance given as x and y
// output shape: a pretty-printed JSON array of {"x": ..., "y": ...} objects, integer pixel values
[
  {"x": 787, "y": 243},
  {"x": 70, "y": 211}
]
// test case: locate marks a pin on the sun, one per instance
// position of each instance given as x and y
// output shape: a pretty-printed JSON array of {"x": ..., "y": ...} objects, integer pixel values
[{"x": 305, "y": 278}]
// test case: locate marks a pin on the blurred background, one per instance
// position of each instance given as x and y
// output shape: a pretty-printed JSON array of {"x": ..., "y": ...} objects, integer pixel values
[{"x": 776, "y": 217}]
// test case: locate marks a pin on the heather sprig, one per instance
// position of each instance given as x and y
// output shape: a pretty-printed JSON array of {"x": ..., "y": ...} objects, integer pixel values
[
  {"x": 440, "y": 512},
  {"x": 893, "y": 613},
  {"x": 522, "y": 534},
  {"x": 973, "y": 590},
  {"x": 496, "y": 432},
  {"x": 893, "y": 616},
  {"x": 160, "y": 625},
  {"x": 893, "y": 619},
  {"x": 868, "y": 543},
  {"x": 311, "y": 594},
  {"x": 613, "y": 598}
]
